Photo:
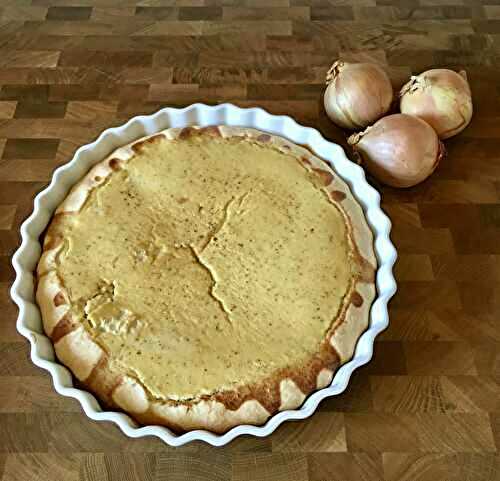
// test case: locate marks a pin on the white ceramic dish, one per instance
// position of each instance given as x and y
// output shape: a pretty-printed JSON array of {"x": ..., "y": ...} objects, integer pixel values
[{"x": 25, "y": 259}]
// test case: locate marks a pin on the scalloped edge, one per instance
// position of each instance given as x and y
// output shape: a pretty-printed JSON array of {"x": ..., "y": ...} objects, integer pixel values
[{"x": 26, "y": 257}]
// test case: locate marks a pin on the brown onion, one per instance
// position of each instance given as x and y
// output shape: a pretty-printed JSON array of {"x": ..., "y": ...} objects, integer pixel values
[
  {"x": 357, "y": 94},
  {"x": 399, "y": 150},
  {"x": 441, "y": 97}
]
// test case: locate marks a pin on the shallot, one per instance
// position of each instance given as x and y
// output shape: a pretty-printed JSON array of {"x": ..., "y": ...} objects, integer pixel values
[
  {"x": 357, "y": 94},
  {"x": 442, "y": 98},
  {"x": 399, "y": 150}
]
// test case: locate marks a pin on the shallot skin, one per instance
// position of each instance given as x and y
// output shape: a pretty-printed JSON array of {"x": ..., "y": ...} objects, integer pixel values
[
  {"x": 399, "y": 150},
  {"x": 442, "y": 98},
  {"x": 357, "y": 95}
]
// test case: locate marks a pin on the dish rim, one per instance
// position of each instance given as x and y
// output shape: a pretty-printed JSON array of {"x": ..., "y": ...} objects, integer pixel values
[{"x": 64, "y": 177}]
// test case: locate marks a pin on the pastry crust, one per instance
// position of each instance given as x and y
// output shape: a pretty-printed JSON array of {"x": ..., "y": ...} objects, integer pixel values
[{"x": 217, "y": 412}]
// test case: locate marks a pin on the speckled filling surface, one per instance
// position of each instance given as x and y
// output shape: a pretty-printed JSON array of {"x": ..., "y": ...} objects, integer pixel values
[{"x": 190, "y": 263}]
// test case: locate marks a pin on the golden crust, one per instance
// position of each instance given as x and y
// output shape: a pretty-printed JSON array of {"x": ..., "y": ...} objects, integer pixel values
[{"x": 285, "y": 389}]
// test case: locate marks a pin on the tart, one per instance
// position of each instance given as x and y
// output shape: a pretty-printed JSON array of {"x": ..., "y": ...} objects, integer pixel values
[{"x": 202, "y": 278}]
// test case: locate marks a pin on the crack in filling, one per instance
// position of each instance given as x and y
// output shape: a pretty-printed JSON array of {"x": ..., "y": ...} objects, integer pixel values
[
  {"x": 198, "y": 252},
  {"x": 105, "y": 315},
  {"x": 213, "y": 288},
  {"x": 211, "y": 235}
]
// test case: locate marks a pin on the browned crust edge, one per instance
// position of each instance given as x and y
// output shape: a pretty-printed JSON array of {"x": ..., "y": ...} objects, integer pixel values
[{"x": 251, "y": 404}]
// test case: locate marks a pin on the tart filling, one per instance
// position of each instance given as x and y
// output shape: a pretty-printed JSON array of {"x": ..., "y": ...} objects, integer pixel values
[{"x": 207, "y": 267}]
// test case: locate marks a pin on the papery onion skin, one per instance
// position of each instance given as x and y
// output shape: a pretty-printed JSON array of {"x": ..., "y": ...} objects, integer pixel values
[
  {"x": 357, "y": 95},
  {"x": 399, "y": 150},
  {"x": 442, "y": 98}
]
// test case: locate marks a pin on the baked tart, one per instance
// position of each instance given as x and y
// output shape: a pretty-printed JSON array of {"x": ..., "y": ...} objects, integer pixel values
[{"x": 206, "y": 277}]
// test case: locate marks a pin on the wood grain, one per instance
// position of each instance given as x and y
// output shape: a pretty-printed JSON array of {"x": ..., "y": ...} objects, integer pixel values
[{"x": 427, "y": 407}]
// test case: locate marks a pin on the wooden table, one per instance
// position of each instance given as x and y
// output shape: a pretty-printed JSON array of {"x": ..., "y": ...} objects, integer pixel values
[{"x": 428, "y": 406}]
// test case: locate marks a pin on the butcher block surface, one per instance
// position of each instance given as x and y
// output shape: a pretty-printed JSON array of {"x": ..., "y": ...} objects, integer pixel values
[{"x": 427, "y": 407}]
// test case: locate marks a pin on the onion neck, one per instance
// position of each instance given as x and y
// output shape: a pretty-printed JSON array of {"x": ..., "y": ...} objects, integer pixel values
[
  {"x": 415, "y": 83},
  {"x": 334, "y": 71},
  {"x": 356, "y": 138}
]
